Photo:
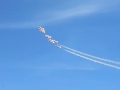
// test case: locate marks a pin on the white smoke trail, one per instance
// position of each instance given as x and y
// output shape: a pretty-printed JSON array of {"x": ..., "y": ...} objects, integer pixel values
[
  {"x": 91, "y": 55},
  {"x": 92, "y": 59}
]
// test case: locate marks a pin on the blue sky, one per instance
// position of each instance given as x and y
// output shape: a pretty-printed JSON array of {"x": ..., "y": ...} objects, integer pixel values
[{"x": 29, "y": 62}]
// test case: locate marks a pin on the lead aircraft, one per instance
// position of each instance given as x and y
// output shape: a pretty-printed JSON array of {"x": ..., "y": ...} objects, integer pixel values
[{"x": 41, "y": 29}]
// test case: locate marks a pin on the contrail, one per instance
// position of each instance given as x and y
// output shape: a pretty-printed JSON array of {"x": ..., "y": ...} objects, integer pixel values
[
  {"x": 92, "y": 59},
  {"x": 91, "y": 55}
]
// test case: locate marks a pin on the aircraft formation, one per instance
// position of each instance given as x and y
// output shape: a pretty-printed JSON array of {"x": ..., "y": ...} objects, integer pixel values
[
  {"x": 49, "y": 38},
  {"x": 86, "y": 56}
]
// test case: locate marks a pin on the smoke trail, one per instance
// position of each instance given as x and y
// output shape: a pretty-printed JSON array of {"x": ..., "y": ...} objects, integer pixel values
[
  {"x": 91, "y": 55},
  {"x": 92, "y": 59}
]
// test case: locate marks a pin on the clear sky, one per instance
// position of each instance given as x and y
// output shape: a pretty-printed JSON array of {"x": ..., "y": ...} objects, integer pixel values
[{"x": 29, "y": 62}]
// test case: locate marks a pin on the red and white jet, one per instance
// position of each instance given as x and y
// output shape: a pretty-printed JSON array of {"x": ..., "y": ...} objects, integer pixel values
[
  {"x": 55, "y": 41},
  {"x": 48, "y": 37},
  {"x": 52, "y": 41},
  {"x": 41, "y": 29},
  {"x": 58, "y": 46}
]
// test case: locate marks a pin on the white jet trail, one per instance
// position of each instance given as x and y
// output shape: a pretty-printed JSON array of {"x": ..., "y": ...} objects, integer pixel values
[
  {"x": 91, "y": 55},
  {"x": 90, "y": 59}
]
